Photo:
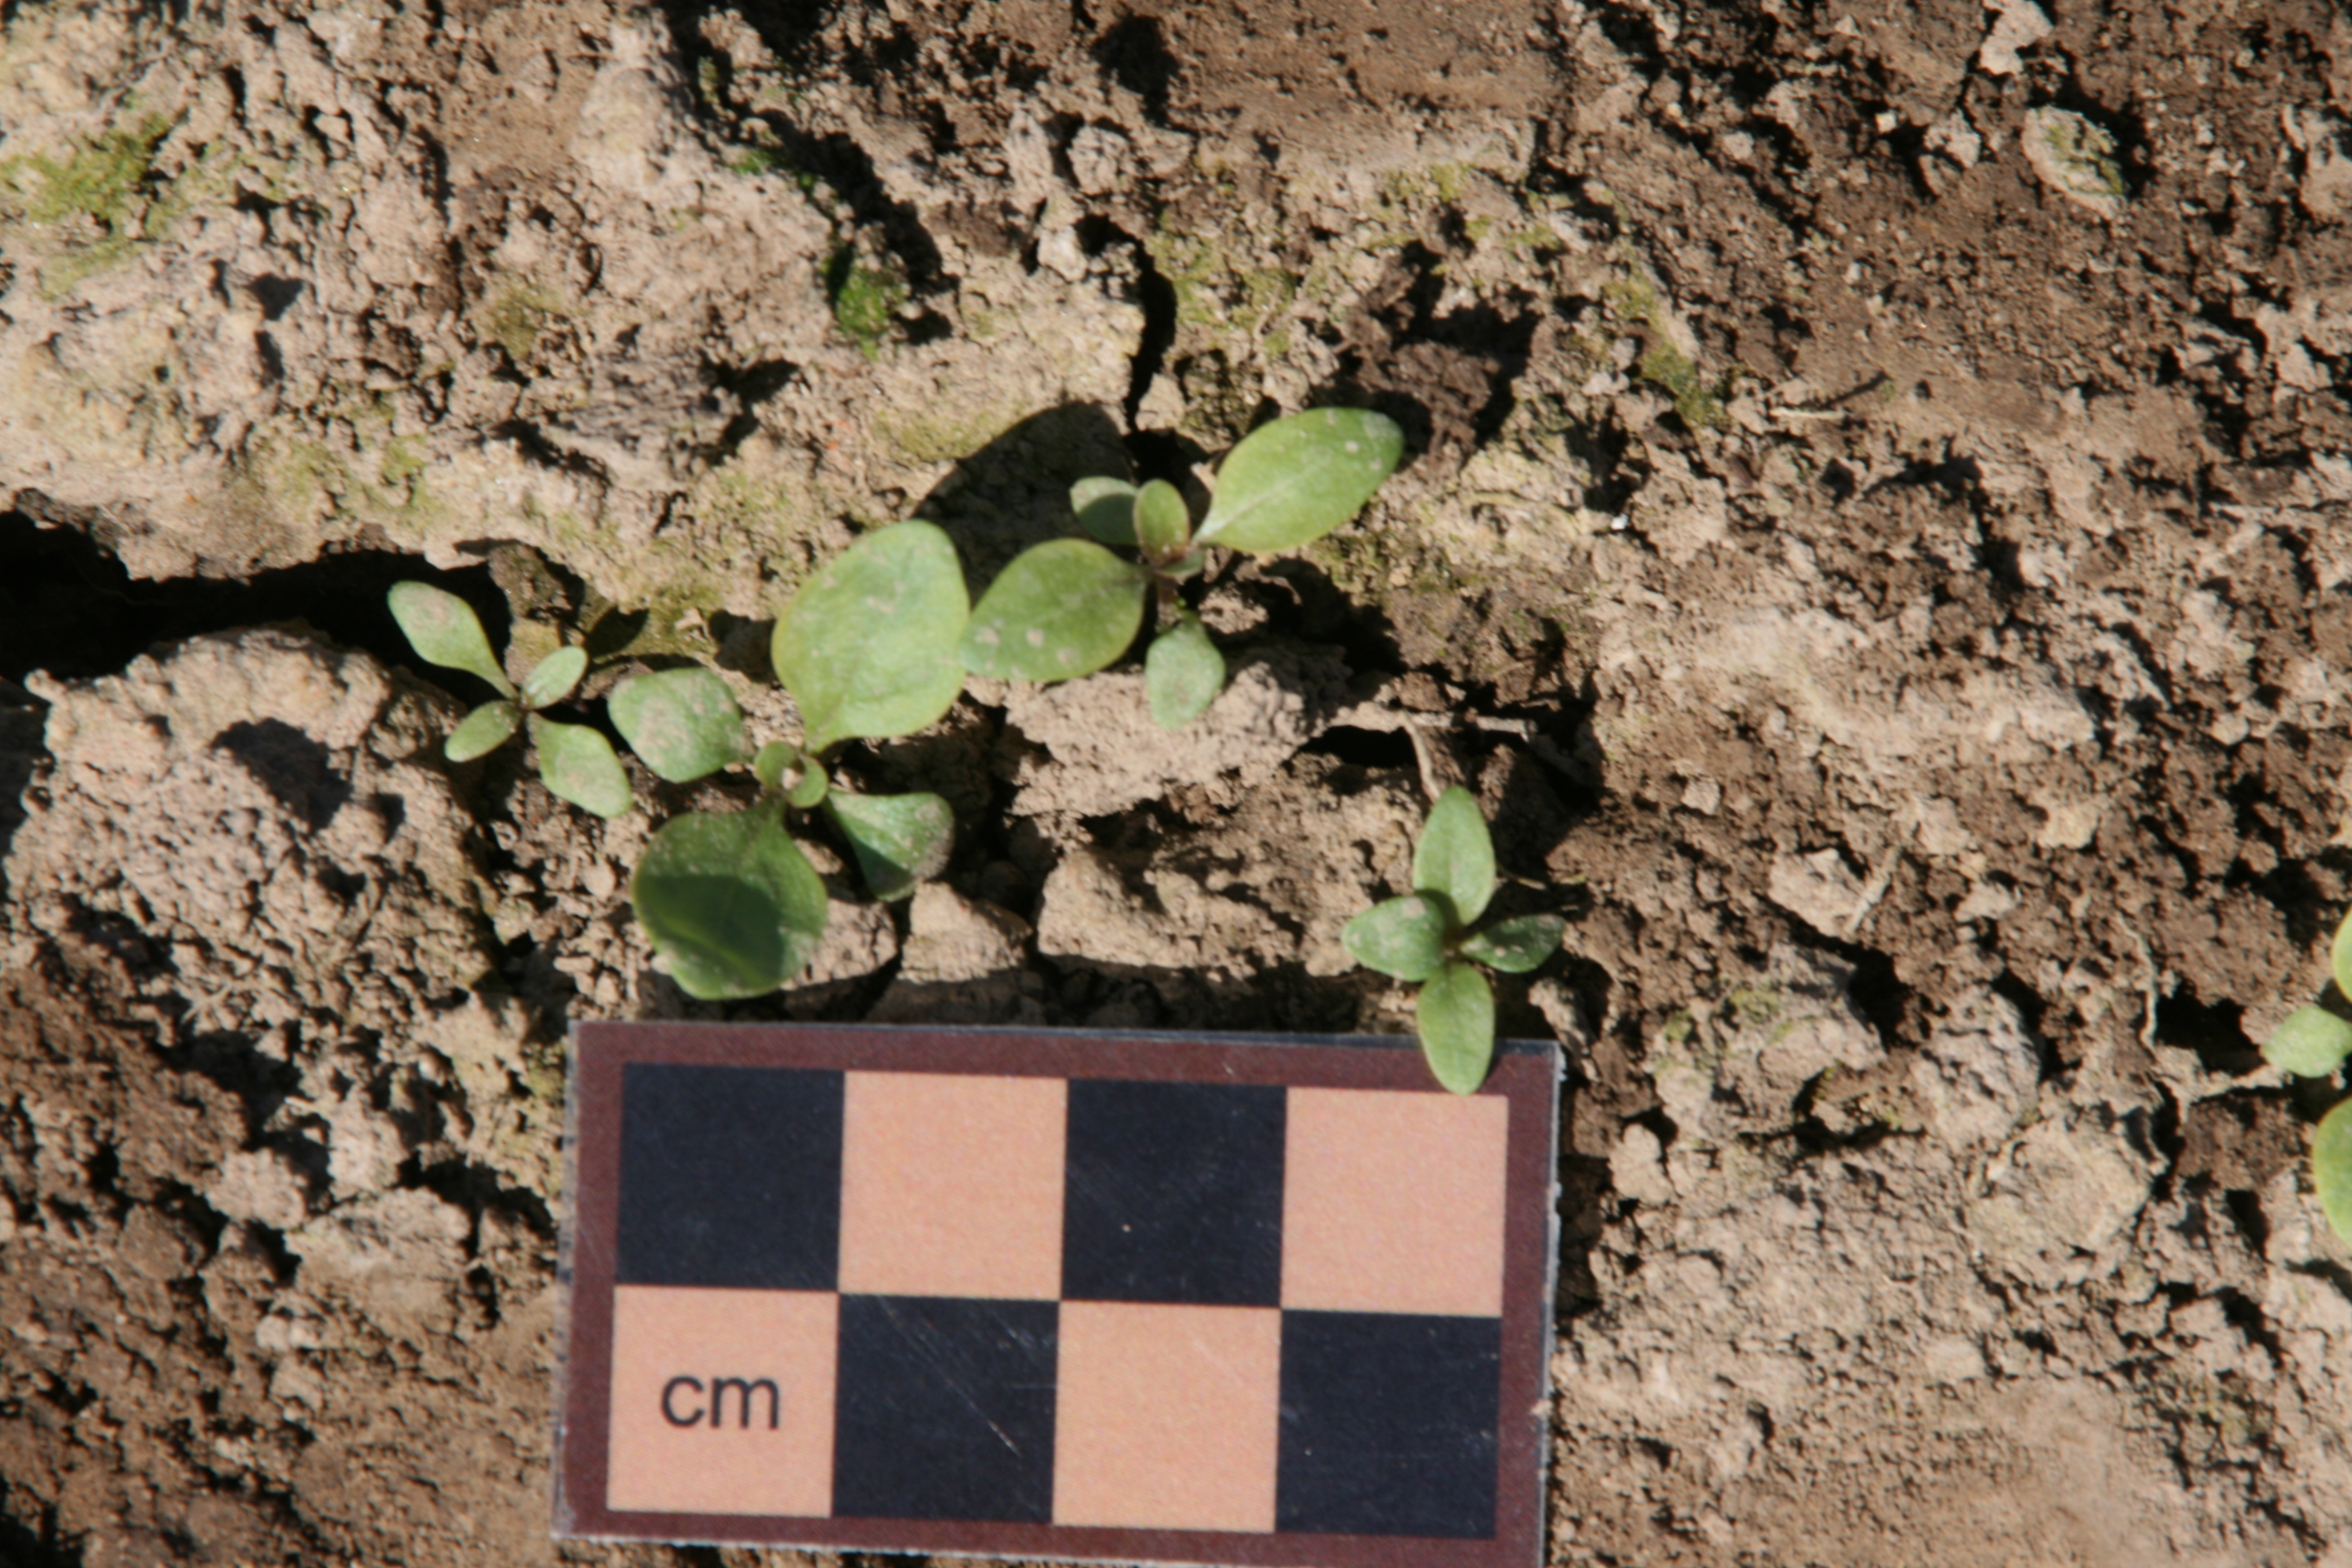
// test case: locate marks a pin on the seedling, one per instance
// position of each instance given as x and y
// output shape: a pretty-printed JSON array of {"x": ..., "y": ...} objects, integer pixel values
[
  {"x": 1070, "y": 606},
  {"x": 2313, "y": 1043},
  {"x": 1430, "y": 937},
  {"x": 867, "y": 649},
  {"x": 575, "y": 762}
]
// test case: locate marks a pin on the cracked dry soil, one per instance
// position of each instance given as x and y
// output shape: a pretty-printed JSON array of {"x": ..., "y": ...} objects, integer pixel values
[{"x": 1889, "y": 585}]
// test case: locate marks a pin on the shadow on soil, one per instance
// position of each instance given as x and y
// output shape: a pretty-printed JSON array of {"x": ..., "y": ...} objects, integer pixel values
[{"x": 66, "y": 604}]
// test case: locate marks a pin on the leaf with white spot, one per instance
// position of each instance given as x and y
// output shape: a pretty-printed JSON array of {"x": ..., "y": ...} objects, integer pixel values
[
  {"x": 1455, "y": 856},
  {"x": 1182, "y": 674},
  {"x": 1455, "y": 1012},
  {"x": 551, "y": 680},
  {"x": 444, "y": 630},
  {"x": 1297, "y": 478},
  {"x": 683, "y": 722},
  {"x": 1063, "y": 609},
  {"x": 1404, "y": 937},
  {"x": 577, "y": 764},
  {"x": 483, "y": 731},
  {"x": 1163, "y": 524},
  {"x": 2312, "y": 1043},
  {"x": 1515, "y": 946},
  {"x": 867, "y": 646}
]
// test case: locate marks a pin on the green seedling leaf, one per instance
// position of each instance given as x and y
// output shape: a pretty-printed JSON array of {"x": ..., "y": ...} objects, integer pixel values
[
  {"x": 1182, "y": 674},
  {"x": 1164, "y": 524},
  {"x": 482, "y": 732},
  {"x": 809, "y": 788},
  {"x": 899, "y": 839},
  {"x": 1456, "y": 1014},
  {"x": 551, "y": 680},
  {"x": 1106, "y": 509},
  {"x": 2312, "y": 1043},
  {"x": 1404, "y": 937},
  {"x": 1296, "y": 479},
  {"x": 773, "y": 759},
  {"x": 444, "y": 630},
  {"x": 867, "y": 647},
  {"x": 730, "y": 900},
  {"x": 1063, "y": 609},
  {"x": 780, "y": 765},
  {"x": 577, "y": 764},
  {"x": 683, "y": 722},
  {"x": 1455, "y": 857},
  {"x": 2331, "y": 1168},
  {"x": 2339, "y": 957},
  {"x": 1186, "y": 566},
  {"x": 1518, "y": 945}
]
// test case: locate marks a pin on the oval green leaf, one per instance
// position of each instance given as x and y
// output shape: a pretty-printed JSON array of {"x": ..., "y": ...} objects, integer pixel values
[
  {"x": 2339, "y": 957},
  {"x": 768, "y": 765},
  {"x": 2331, "y": 1168},
  {"x": 1063, "y": 609},
  {"x": 1404, "y": 937},
  {"x": 810, "y": 787},
  {"x": 482, "y": 732},
  {"x": 1456, "y": 1014},
  {"x": 551, "y": 680},
  {"x": 1299, "y": 478},
  {"x": 444, "y": 630},
  {"x": 1515, "y": 946},
  {"x": 576, "y": 763},
  {"x": 1106, "y": 509},
  {"x": 1182, "y": 674},
  {"x": 1455, "y": 856},
  {"x": 899, "y": 839},
  {"x": 867, "y": 647},
  {"x": 730, "y": 902},
  {"x": 683, "y": 722},
  {"x": 1164, "y": 524},
  {"x": 2312, "y": 1043}
]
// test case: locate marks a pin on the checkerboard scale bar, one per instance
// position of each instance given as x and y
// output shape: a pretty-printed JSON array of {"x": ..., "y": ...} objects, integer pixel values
[{"x": 1138, "y": 1298}]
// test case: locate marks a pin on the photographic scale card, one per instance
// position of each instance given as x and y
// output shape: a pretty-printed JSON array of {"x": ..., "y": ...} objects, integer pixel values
[{"x": 1138, "y": 1298}]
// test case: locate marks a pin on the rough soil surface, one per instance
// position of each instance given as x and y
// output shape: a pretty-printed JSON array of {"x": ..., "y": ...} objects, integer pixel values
[{"x": 1875, "y": 536}]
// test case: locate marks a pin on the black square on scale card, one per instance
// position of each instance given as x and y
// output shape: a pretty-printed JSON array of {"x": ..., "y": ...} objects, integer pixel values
[
  {"x": 1174, "y": 1193},
  {"x": 1388, "y": 1424},
  {"x": 729, "y": 1177},
  {"x": 945, "y": 1408}
]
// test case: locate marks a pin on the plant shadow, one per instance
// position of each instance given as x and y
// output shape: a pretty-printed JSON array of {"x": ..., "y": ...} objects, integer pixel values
[{"x": 1014, "y": 491}]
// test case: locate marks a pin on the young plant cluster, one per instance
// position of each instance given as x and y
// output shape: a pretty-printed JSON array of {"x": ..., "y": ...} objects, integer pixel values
[
  {"x": 1430, "y": 937},
  {"x": 2314, "y": 1043},
  {"x": 876, "y": 644},
  {"x": 575, "y": 762},
  {"x": 1071, "y": 607}
]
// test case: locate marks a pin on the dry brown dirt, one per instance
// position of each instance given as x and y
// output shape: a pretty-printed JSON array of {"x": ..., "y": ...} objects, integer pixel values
[{"x": 1889, "y": 585}]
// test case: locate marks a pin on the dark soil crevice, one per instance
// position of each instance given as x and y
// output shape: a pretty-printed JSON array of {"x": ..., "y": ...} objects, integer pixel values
[{"x": 68, "y": 605}]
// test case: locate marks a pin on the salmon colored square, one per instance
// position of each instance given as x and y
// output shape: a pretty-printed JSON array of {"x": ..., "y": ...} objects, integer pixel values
[
  {"x": 1167, "y": 1417},
  {"x": 722, "y": 1401},
  {"x": 952, "y": 1185},
  {"x": 1393, "y": 1202}
]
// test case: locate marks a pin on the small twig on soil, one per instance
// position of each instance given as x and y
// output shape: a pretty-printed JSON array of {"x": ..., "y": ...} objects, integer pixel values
[
  {"x": 2147, "y": 988},
  {"x": 1439, "y": 769}
]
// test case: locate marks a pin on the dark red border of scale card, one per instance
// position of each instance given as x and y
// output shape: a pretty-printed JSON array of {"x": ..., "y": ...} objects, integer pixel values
[{"x": 1524, "y": 1074}]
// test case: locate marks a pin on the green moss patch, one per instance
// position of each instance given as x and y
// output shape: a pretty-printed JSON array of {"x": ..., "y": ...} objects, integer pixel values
[{"x": 866, "y": 302}]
